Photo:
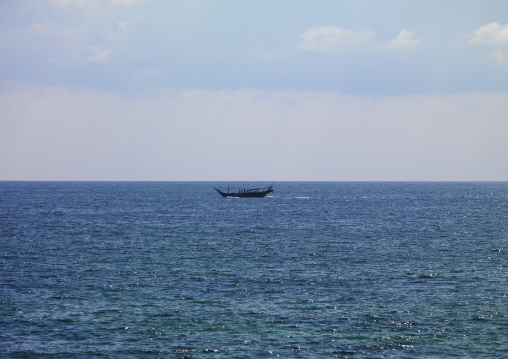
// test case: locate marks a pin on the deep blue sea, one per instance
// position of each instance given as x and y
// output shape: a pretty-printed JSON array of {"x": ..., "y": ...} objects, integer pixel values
[{"x": 314, "y": 270}]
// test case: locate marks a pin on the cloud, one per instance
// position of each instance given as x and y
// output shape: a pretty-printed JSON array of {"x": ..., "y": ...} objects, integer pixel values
[
  {"x": 48, "y": 30},
  {"x": 91, "y": 31},
  {"x": 331, "y": 38},
  {"x": 126, "y": 2},
  {"x": 82, "y": 3},
  {"x": 404, "y": 39},
  {"x": 99, "y": 56},
  {"x": 499, "y": 57},
  {"x": 58, "y": 44},
  {"x": 492, "y": 33},
  {"x": 65, "y": 3}
]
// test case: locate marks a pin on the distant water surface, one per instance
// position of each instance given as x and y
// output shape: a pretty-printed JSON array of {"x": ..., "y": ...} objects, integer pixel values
[{"x": 315, "y": 270}]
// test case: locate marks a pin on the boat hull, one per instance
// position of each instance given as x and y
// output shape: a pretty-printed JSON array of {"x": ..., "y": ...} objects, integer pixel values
[{"x": 245, "y": 193}]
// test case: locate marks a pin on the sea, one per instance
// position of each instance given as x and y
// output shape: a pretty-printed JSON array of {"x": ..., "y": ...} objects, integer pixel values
[{"x": 313, "y": 270}]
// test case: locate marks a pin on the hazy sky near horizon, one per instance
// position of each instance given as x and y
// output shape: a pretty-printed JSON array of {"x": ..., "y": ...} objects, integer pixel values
[{"x": 253, "y": 90}]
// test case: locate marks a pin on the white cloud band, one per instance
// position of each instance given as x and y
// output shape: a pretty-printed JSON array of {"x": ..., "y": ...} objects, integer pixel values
[
  {"x": 66, "y": 134},
  {"x": 331, "y": 38}
]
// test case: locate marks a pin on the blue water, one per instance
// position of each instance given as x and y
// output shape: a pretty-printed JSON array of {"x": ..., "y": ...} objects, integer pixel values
[{"x": 316, "y": 270}]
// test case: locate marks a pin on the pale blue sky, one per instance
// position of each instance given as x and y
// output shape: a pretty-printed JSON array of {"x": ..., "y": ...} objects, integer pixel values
[
  {"x": 285, "y": 90},
  {"x": 138, "y": 46}
]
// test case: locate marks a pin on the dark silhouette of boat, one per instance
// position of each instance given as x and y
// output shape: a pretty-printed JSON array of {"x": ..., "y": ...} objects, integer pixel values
[{"x": 251, "y": 192}]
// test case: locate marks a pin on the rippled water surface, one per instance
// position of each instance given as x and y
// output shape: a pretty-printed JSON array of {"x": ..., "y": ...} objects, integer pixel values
[{"x": 316, "y": 270}]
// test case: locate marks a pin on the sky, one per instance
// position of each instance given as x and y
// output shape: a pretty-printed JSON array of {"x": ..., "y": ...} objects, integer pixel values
[{"x": 265, "y": 90}]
